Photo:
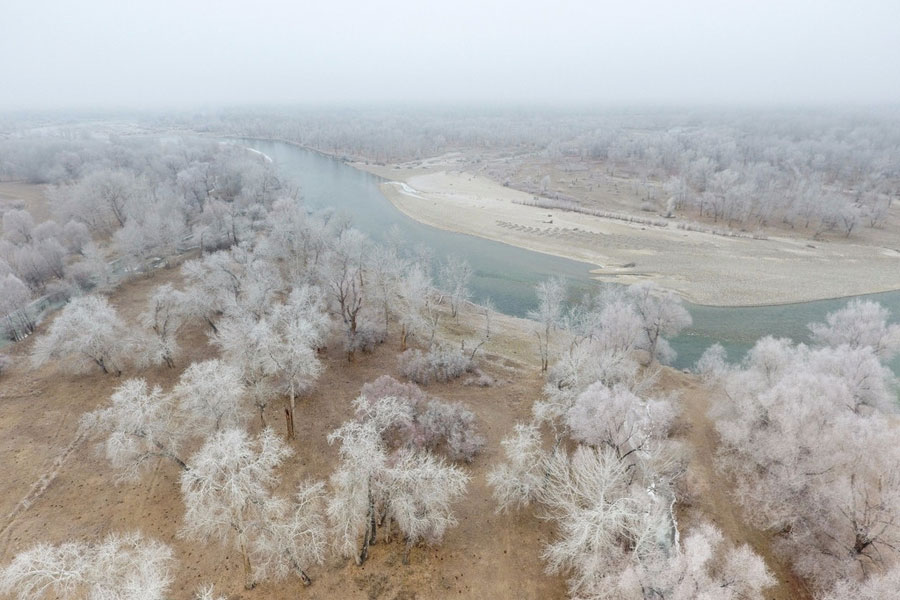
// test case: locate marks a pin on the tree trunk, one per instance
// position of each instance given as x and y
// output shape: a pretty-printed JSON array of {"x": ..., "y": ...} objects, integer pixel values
[
  {"x": 293, "y": 407},
  {"x": 369, "y": 537},
  {"x": 406, "y": 551},
  {"x": 289, "y": 421},
  {"x": 249, "y": 584}
]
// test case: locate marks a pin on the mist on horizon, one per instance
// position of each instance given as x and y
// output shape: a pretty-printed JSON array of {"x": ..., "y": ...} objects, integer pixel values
[{"x": 107, "y": 54}]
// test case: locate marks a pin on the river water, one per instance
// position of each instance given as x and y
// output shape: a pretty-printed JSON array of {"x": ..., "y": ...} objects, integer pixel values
[{"x": 507, "y": 274}]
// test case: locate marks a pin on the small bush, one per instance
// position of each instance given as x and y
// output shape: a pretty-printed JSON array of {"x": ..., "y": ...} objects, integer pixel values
[
  {"x": 440, "y": 364},
  {"x": 480, "y": 379},
  {"x": 451, "y": 425},
  {"x": 364, "y": 340},
  {"x": 435, "y": 424},
  {"x": 5, "y": 363}
]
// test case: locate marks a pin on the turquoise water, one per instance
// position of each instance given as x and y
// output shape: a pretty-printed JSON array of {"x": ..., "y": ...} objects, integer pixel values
[{"x": 507, "y": 274}]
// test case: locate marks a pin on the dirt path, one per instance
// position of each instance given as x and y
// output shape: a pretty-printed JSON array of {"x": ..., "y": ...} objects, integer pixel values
[{"x": 709, "y": 496}]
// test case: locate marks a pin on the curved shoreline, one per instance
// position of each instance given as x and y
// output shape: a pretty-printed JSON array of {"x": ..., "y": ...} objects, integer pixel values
[
  {"x": 706, "y": 270},
  {"x": 697, "y": 280}
]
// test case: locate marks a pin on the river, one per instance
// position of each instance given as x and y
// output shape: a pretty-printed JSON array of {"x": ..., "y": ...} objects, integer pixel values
[{"x": 507, "y": 274}]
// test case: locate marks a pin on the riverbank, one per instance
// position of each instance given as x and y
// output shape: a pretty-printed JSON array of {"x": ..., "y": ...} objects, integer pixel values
[{"x": 703, "y": 268}]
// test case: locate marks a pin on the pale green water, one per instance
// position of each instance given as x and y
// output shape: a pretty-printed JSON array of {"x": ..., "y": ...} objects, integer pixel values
[{"x": 508, "y": 274}]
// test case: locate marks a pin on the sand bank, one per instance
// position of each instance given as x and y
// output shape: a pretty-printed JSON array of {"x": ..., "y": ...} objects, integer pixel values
[{"x": 702, "y": 267}]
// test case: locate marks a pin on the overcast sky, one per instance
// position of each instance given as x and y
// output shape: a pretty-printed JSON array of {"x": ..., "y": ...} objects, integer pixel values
[{"x": 119, "y": 53}]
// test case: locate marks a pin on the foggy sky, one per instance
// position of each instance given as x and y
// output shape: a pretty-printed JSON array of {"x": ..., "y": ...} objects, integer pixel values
[{"x": 109, "y": 54}]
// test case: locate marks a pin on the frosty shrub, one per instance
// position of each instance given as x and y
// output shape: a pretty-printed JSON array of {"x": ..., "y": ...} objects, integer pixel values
[
  {"x": 438, "y": 365},
  {"x": 423, "y": 422},
  {"x": 480, "y": 379},
  {"x": 364, "y": 339}
]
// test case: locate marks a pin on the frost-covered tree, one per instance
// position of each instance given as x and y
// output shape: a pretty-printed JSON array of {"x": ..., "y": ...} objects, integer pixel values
[
  {"x": 662, "y": 314},
  {"x": 18, "y": 226},
  {"x": 713, "y": 363},
  {"x": 14, "y": 298},
  {"x": 604, "y": 514},
  {"x": 551, "y": 295},
  {"x": 166, "y": 313},
  {"x": 517, "y": 482},
  {"x": 228, "y": 496},
  {"x": 415, "y": 306},
  {"x": 410, "y": 488},
  {"x": 876, "y": 587},
  {"x": 277, "y": 353},
  {"x": 142, "y": 424},
  {"x": 75, "y": 236},
  {"x": 617, "y": 419},
  {"x": 704, "y": 565},
  {"x": 455, "y": 275},
  {"x": 121, "y": 567},
  {"x": 299, "y": 327},
  {"x": 211, "y": 396},
  {"x": 861, "y": 323},
  {"x": 806, "y": 435},
  {"x": 87, "y": 332},
  {"x": 425, "y": 423},
  {"x": 422, "y": 489},
  {"x": 92, "y": 272},
  {"x": 343, "y": 271},
  {"x": 357, "y": 487}
]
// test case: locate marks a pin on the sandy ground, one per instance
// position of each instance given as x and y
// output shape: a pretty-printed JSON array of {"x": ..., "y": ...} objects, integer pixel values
[
  {"x": 703, "y": 268},
  {"x": 25, "y": 195}
]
